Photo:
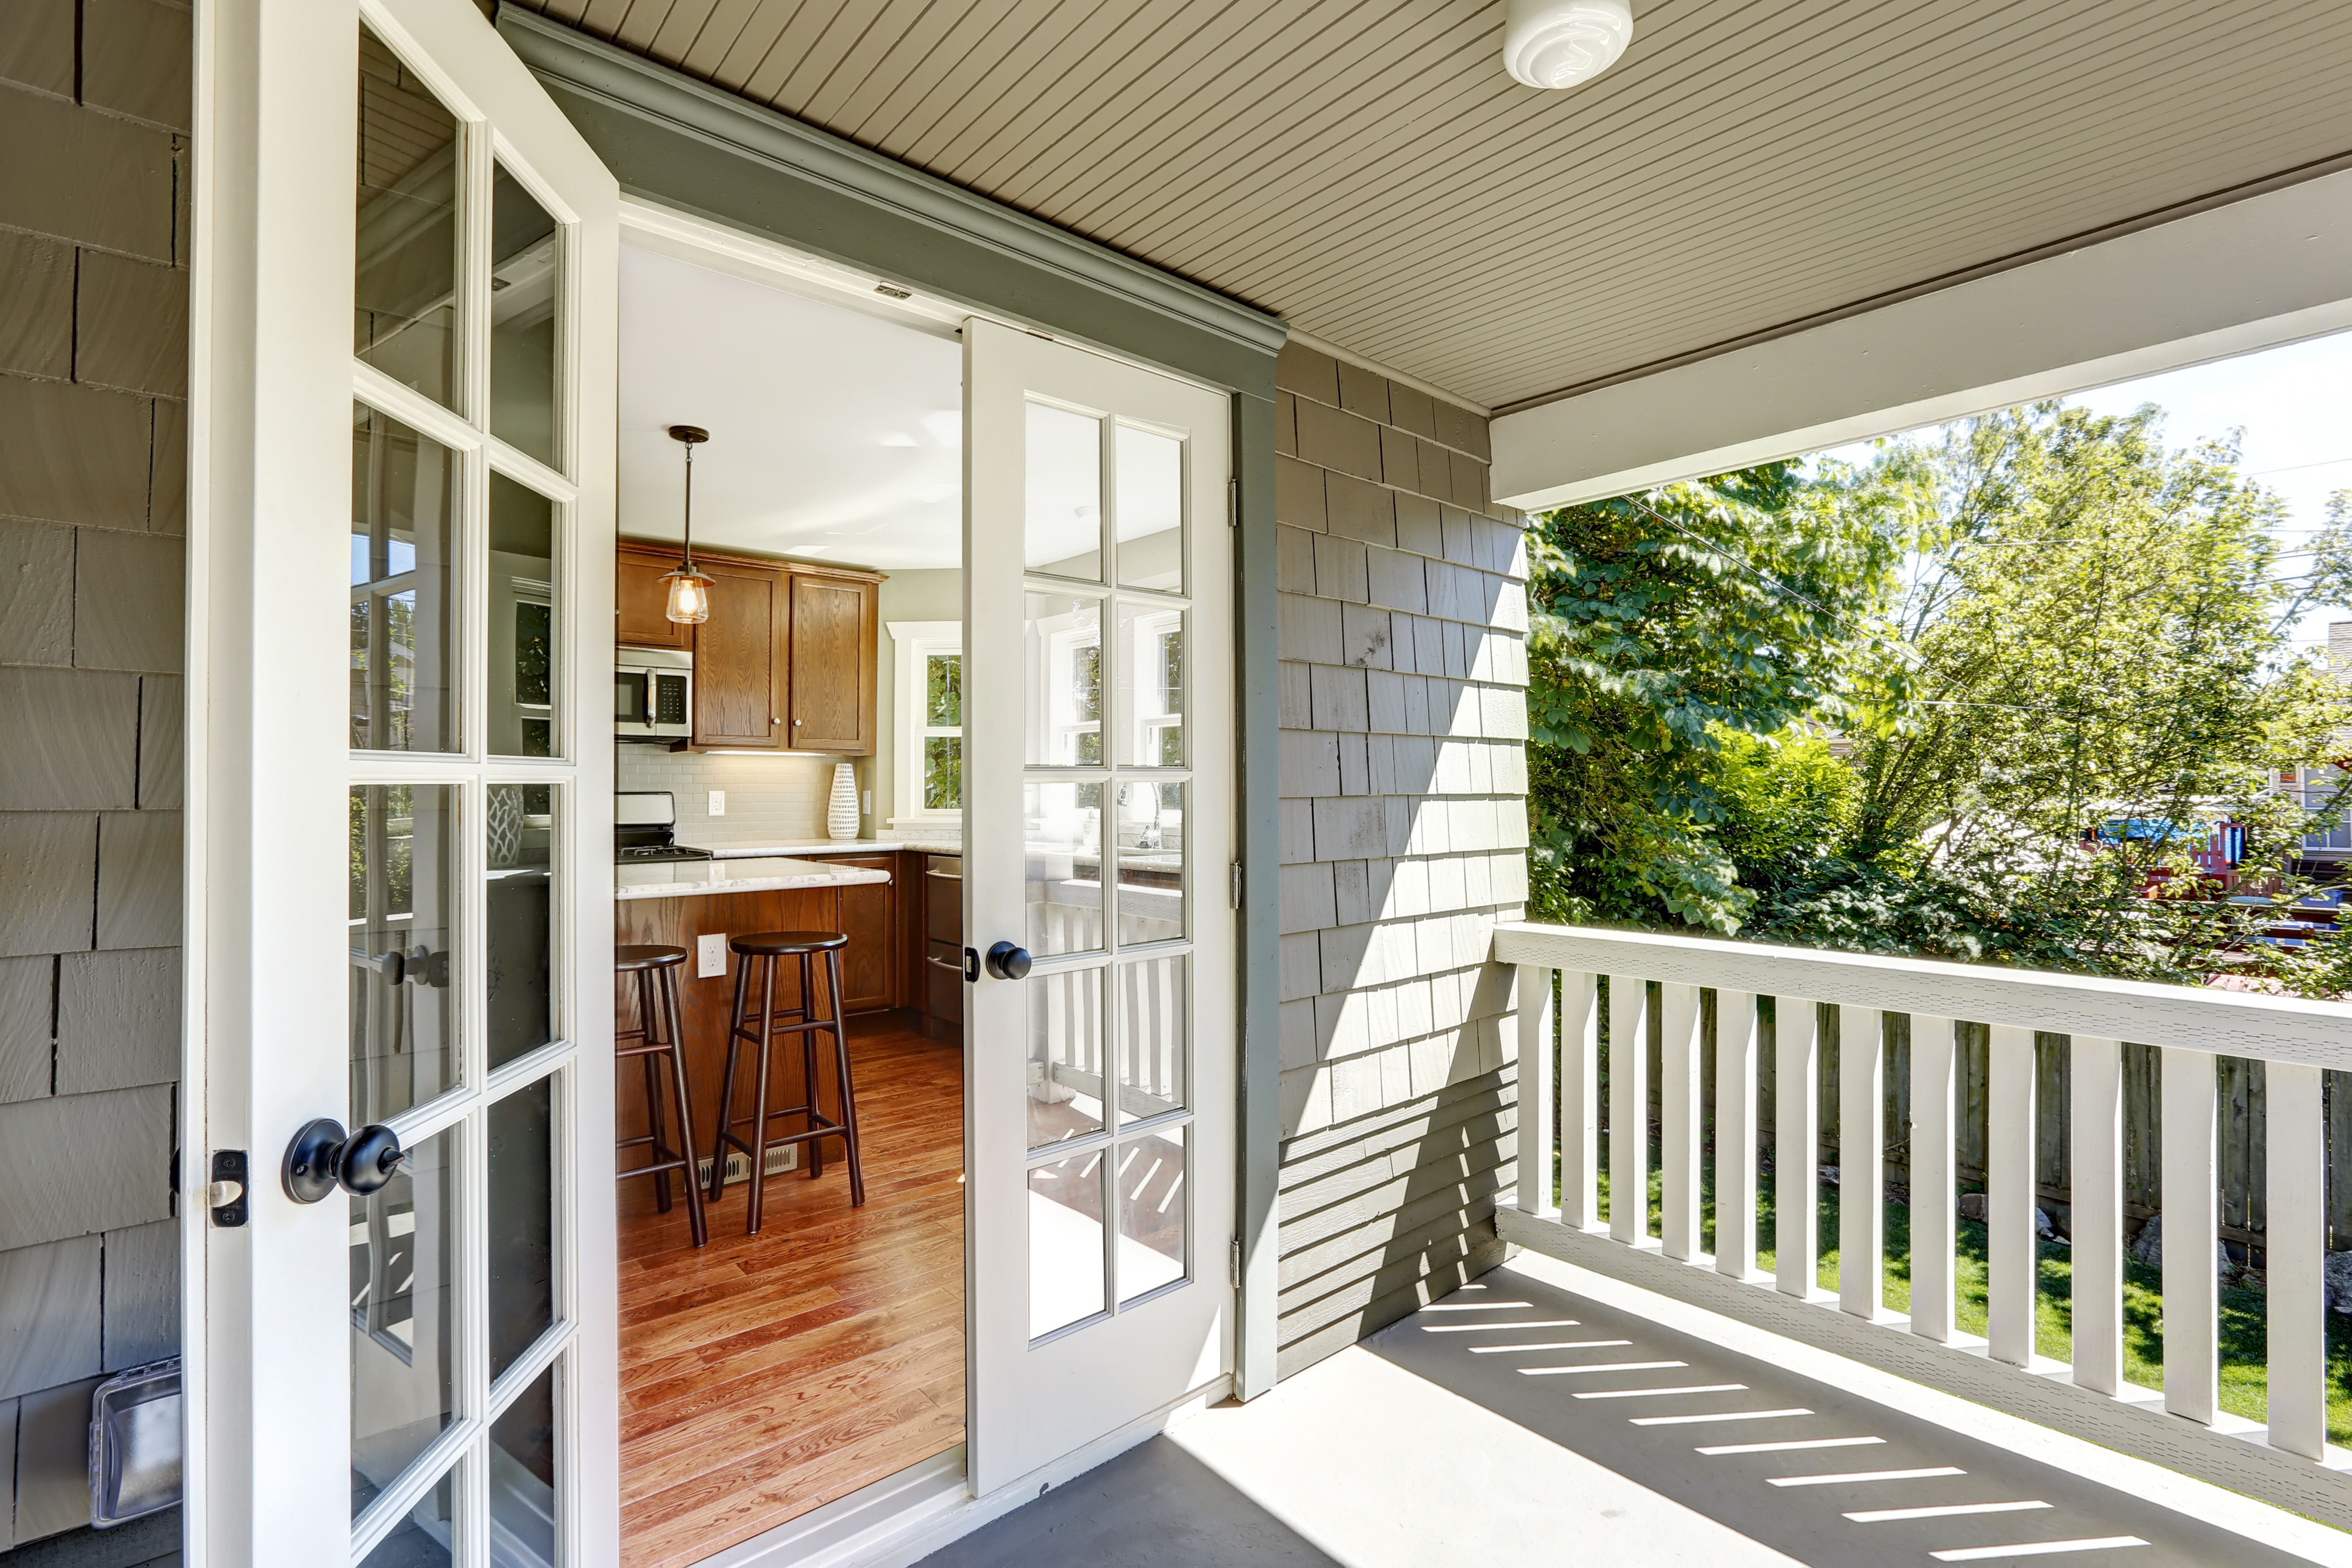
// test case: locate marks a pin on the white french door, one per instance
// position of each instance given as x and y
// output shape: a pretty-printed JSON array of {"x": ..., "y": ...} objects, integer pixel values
[
  {"x": 401, "y": 1351},
  {"x": 1098, "y": 767}
]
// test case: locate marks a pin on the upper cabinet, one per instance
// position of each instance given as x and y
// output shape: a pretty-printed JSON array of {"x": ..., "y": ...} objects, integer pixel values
[
  {"x": 787, "y": 660},
  {"x": 641, "y": 600},
  {"x": 834, "y": 623}
]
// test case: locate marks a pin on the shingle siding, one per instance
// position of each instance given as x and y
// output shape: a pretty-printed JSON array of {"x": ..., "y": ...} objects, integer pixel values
[
  {"x": 93, "y": 380},
  {"x": 1403, "y": 839}
]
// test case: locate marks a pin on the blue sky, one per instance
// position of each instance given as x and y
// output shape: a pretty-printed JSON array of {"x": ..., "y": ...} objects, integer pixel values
[{"x": 2295, "y": 405}]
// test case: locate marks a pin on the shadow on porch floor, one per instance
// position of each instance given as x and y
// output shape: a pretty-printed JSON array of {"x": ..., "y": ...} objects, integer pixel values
[{"x": 1519, "y": 1422}]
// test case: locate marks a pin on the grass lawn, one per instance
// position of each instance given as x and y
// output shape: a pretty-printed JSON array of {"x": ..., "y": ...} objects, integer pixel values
[{"x": 2244, "y": 1376}]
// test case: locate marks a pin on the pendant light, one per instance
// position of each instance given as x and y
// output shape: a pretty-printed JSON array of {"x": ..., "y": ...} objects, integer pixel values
[{"x": 690, "y": 591}]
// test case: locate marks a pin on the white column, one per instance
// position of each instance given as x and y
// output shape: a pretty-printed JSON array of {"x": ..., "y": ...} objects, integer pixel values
[
  {"x": 1628, "y": 1108},
  {"x": 1934, "y": 1096},
  {"x": 2192, "y": 1370},
  {"x": 1535, "y": 1193},
  {"x": 1678, "y": 1094},
  {"x": 2296, "y": 1156},
  {"x": 1861, "y": 1159},
  {"x": 2095, "y": 1200},
  {"x": 1796, "y": 1143},
  {"x": 1735, "y": 1133},
  {"x": 1580, "y": 1100},
  {"x": 2011, "y": 1118}
]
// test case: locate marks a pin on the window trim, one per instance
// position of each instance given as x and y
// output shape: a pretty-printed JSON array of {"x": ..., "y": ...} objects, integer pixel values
[{"x": 913, "y": 643}]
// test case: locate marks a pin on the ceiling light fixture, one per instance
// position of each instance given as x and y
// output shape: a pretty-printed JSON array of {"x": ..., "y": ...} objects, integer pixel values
[
  {"x": 690, "y": 591},
  {"x": 1558, "y": 43}
]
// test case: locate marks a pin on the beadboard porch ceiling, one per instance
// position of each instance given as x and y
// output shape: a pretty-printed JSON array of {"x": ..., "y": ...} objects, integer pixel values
[{"x": 1368, "y": 171}]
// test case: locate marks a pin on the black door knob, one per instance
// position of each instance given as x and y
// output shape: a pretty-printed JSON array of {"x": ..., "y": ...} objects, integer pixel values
[
  {"x": 1007, "y": 961},
  {"x": 321, "y": 1159}
]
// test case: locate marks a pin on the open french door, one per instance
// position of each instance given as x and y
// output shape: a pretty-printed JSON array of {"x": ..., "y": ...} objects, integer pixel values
[
  {"x": 1098, "y": 771},
  {"x": 399, "y": 1343}
]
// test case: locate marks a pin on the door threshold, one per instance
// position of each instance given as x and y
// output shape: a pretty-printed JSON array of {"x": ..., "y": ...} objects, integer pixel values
[{"x": 904, "y": 1518}]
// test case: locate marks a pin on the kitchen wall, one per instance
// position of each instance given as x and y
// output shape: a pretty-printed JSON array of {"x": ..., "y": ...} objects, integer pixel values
[{"x": 94, "y": 117}]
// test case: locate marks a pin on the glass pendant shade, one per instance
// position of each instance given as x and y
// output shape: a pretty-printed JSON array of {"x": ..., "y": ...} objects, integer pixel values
[{"x": 689, "y": 596}]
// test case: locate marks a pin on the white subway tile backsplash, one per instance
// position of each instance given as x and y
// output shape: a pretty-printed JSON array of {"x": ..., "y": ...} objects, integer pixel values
[{"x": 781, "y": 797}]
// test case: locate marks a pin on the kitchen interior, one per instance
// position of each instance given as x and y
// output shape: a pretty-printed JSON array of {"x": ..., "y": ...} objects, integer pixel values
[{"x": 788, "y": 759}]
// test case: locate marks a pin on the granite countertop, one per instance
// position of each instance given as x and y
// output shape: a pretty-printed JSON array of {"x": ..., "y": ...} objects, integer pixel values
[
  {"x": 692, "y": 879},
  {"x": 745, "y": 851}
]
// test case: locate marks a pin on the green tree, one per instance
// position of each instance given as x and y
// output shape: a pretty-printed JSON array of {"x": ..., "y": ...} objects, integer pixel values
[{"x": 1663, "y": 626}]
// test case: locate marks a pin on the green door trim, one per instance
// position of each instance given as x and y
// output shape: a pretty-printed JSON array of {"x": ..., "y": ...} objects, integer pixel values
[{"x": 684, "y": 144}]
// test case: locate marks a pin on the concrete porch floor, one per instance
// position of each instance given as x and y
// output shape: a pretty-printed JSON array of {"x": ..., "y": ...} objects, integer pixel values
[{"x": 1545, "y": 1415}]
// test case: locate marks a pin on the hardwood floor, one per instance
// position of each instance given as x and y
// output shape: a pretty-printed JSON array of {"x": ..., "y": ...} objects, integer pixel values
[{"x": 766, "y": 1375}]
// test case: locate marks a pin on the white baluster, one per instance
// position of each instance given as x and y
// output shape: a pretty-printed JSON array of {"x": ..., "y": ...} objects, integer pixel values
[
  {"x": 2096, "y": 1201},
  {"x": 1678, "y": 1109},
  {"x": 1579, "y": 1099},
  {"x": 1796, "y": 1143},
  {"x": 1861, "y": 1159},
  {"x": 1735, "y": 1133},
  {"x": 2011, "y": 1258},
  {"x": 1628, "y": 1108},
  {"x": 2296, "y": 1155},
  {"x": 1934, "y": 1096},
  {"x": 1535, "y": 1196},
  {"x": 2192, "y": 1372}
]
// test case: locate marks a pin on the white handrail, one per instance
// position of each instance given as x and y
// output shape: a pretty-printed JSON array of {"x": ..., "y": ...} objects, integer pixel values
[{"x": 2185, "y": 1018}]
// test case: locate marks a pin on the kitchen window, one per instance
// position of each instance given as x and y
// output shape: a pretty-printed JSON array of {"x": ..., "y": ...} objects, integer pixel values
[{"x": 928, "y": 723}]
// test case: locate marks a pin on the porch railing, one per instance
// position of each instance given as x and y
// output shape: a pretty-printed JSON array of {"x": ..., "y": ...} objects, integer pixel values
[{"x": 1562, "y": 972}]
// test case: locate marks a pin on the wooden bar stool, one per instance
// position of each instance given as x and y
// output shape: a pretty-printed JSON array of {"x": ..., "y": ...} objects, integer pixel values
[
  {"x": 658, "y": 1034},
  {"x": 760, "y": 1029}
]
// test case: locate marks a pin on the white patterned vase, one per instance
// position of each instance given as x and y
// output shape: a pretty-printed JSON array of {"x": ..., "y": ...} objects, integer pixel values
[{"x": 841, "y": 812}]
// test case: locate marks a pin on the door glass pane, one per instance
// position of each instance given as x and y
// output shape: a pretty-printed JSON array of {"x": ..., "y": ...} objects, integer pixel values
[
  {"x": 1150, "y": 511},
  {"x": 519, "y": 907},
  {"x": 426, "y": 1538},
  {"x": 1062, "y": 824},
  {"x": 403, "y": 922},
  {"x": 404, "y": 617},
  {"x": 1151, "y": 1211},
  {"x": 1064, "y": 638},
  {"x": 1152, "y": 1066},
  {"x": 403, "y": 1295},
  {"x": 522, "y": 1221},
  {"x": 1062, "y": 498},
  {"x": 523, "y": 1478},
  {"x": 408, "y": 178},
  {"x": 1065, "y": 1242},
  {"x": 523, "y": 620},
  {"x": 526, "y": 257},
  {"x": 1065, "y": 1056},
  {"x": 1149, "y": 680},
  {"x": 1151, "y": 860}
]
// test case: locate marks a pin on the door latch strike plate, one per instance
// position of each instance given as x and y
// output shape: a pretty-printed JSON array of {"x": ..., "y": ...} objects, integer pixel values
[
  {"x": 1235, "y": 1257},
  {"x": 225, "y": 1193},
  {"x": 1233, "y": 503},
  {"x": 1237, "y": 884}
]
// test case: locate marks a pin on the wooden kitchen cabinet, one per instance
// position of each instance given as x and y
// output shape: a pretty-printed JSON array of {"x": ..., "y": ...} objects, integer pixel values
[
  {"x": 835, "y": 622},
  {"x": 788, "y": 659},
  {"x": 869, "y": 917},
  {"x": 738, "y": 667},
  {"x": 641, "y": 600}
]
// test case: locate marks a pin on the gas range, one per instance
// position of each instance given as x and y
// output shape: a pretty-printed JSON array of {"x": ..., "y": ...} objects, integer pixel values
[{"x": 644, "y": 829}]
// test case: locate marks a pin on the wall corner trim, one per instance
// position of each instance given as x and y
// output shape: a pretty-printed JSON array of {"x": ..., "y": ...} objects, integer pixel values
[{"x": 653, "y": 91}]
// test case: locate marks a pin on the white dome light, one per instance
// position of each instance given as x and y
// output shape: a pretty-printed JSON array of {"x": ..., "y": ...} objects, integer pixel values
[{"x": 1558, "y": 43}]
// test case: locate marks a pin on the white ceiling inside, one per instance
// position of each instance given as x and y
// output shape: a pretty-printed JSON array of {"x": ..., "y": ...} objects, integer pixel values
[{"x": 834, "y": 435}]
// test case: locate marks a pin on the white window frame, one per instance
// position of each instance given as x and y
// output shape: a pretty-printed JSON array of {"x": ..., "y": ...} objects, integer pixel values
[{"x": 913, "y": 644}]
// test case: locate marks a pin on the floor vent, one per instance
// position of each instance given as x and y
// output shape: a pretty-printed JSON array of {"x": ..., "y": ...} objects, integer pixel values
[{"x": 739, "y": 1165}]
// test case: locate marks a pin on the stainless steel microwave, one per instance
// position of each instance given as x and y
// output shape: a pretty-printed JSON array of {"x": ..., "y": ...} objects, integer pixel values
[{"x": 653, "y": 694}]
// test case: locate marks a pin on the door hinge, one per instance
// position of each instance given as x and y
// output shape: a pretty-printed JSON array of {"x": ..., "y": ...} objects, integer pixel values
[
  {"x": 1233, "y": 503},
  {"x": 225, "y": 1194},
  {"x": 1237, "y": 1260},
  {"x": 1237, "y": 884}
]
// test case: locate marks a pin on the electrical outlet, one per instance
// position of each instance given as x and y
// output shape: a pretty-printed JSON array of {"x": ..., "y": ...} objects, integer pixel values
[
  {"x": 718, "y": 803},
  {"x": 710, "y": 956}
]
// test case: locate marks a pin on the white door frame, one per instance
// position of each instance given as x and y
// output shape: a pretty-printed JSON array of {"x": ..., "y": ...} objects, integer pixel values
[{"x": 265, "y": 1312}]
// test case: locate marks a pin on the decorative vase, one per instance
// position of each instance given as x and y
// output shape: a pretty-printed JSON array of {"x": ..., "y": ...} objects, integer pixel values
[{"x": 841, "y": 812}]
